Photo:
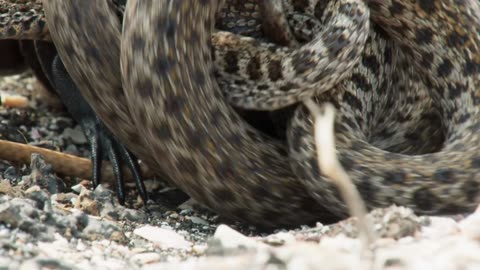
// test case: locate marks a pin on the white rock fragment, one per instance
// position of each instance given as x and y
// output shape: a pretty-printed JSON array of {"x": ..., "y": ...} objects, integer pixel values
[
  {"x": 199, "y": 249},
  {"x": 470, "y": 226},
  {"x": 54, "y": 249},
  {"x": 163, "y": 238},
  {"x": 81, "y": 247},
  {"x": 230, "y": 238},
  {"x": 189, "y": 204},
  {"x": 309, "y": 256},
  {"x": 146, "y": 258},
  {"x": 280, "y": 238},
  {"x": 76, "y": 135},
  {"x": 440, "y": 227},
  {"x": 77, "y": 188},
  {"x": 342, "y": 243},
  {"x": 197, "y": 220}
]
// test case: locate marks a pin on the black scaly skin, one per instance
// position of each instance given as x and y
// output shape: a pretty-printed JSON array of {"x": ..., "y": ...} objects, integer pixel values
[
  {"x": 103, "y": 143},
  {"x": 41, "y": 57}
]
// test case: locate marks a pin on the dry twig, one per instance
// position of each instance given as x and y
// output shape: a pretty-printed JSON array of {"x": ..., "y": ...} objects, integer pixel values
[
  {"x": 62, "y": 163},
  {"x": 333, "y": 170}
]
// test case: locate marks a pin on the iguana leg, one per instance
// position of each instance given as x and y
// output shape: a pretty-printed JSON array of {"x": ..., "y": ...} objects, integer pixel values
[{"x": 103, "y": 143}]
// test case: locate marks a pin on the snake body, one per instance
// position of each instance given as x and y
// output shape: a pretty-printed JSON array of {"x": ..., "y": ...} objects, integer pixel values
[
  {"x": 257, "y": 74},
  {"x": 188, "y": 130},
  {"x": 268, "y": 76},
  {"x": 214, "y": 181},
  {"x": 439, "y": 55}
]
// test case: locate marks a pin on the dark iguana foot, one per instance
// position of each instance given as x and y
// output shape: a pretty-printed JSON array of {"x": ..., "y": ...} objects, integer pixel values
[{"x": 103, "y": 143}]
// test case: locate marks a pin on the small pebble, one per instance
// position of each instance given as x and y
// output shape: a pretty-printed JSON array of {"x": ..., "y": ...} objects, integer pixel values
[
  {"x": 279, "y": 239},
  {"x": 198, "y": 220},
  {"x": 163, "y": 238},
  {"x": 76, "y": 135},
  {"x": 146, "y": 258},
  {"x": 77, "y": 188},
  {"x": 5, "y": 187},
  {"x": 470, "y": 226},
  {"x": 226, "y": 240}
]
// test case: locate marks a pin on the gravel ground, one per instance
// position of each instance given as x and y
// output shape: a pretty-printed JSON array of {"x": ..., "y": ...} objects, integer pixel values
[{"x": 51, "y": 222}]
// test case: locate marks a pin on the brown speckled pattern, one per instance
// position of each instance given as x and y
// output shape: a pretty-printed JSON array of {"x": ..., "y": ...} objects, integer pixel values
[
  {"x": 408, "y": 124},
  {"x": 22, "y": 19},
  {"x": 265, "y": 76},
  {"x": 208, "y": 150},
  {"x": 416, "y": 82}
]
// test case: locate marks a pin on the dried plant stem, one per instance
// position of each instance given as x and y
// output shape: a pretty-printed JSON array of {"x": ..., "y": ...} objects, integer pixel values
[
  {"x": 62, "y": 163},
  {"x": 333, "y": 170}
]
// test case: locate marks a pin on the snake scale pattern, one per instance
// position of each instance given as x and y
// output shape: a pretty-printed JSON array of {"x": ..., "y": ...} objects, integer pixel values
[{"x": 407, "y": 131}]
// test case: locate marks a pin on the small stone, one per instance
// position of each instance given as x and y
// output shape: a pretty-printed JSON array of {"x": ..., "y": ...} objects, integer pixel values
[
  {"x": 78, "y": 188},
  {"x": 43, "y": 175},
  {"x": 33, "y": 189},
  {"x": 188, "y": 205},
  {"x": 22, "y": 214},
  {"x": 163, "y": 238},
  {"x": 86, "y": 203},
  {"x": 279, "y": 239},
  {"x": 35, "y": 134},
  {"x": 81, "y": 246},
  {"x": 229, "y": 241},
  {"x": 103, "y": 193},
  {"x": 41, "y": 198},
  {"x": 103, "y": 229},
  {"x": 199, "y": 249},
  {"x": 146, "y": 258},
  {"x": 76, "y": 135},
  {"x": 440, "y": 227},
  {"x": 198, "y": 220},
  {"x": 11, "y": 173},
  {"x": 137, "y": 249},
  {"x": 40, "y": 264},
  {"x": 71, "y": 149},
  {"x": 174, "y": 215},
  {"x": 64, "y": 198},
  {"x": 132, "y": 214},
  {"x": 6, "y": 187},
  {"x": 470, "y": 226},
  {"x": 186, "y": 212},
  {"x": 8, "y": 261},
  {"x": 61, "y": 122}
]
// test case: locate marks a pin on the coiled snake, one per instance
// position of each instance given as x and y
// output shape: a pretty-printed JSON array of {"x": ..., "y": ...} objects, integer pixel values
[
  {"x": 218, "y": 173},
  {"x": 187, "y": 129}
]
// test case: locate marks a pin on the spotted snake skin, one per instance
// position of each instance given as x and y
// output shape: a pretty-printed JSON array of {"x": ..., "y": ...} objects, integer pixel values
[{"x": 420, "y": 64}]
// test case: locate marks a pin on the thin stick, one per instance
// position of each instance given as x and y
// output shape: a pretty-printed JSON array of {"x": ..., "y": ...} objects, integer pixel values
[
  {"x": 62, "y": 163},
  {"x": 333, "y": 170}
]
